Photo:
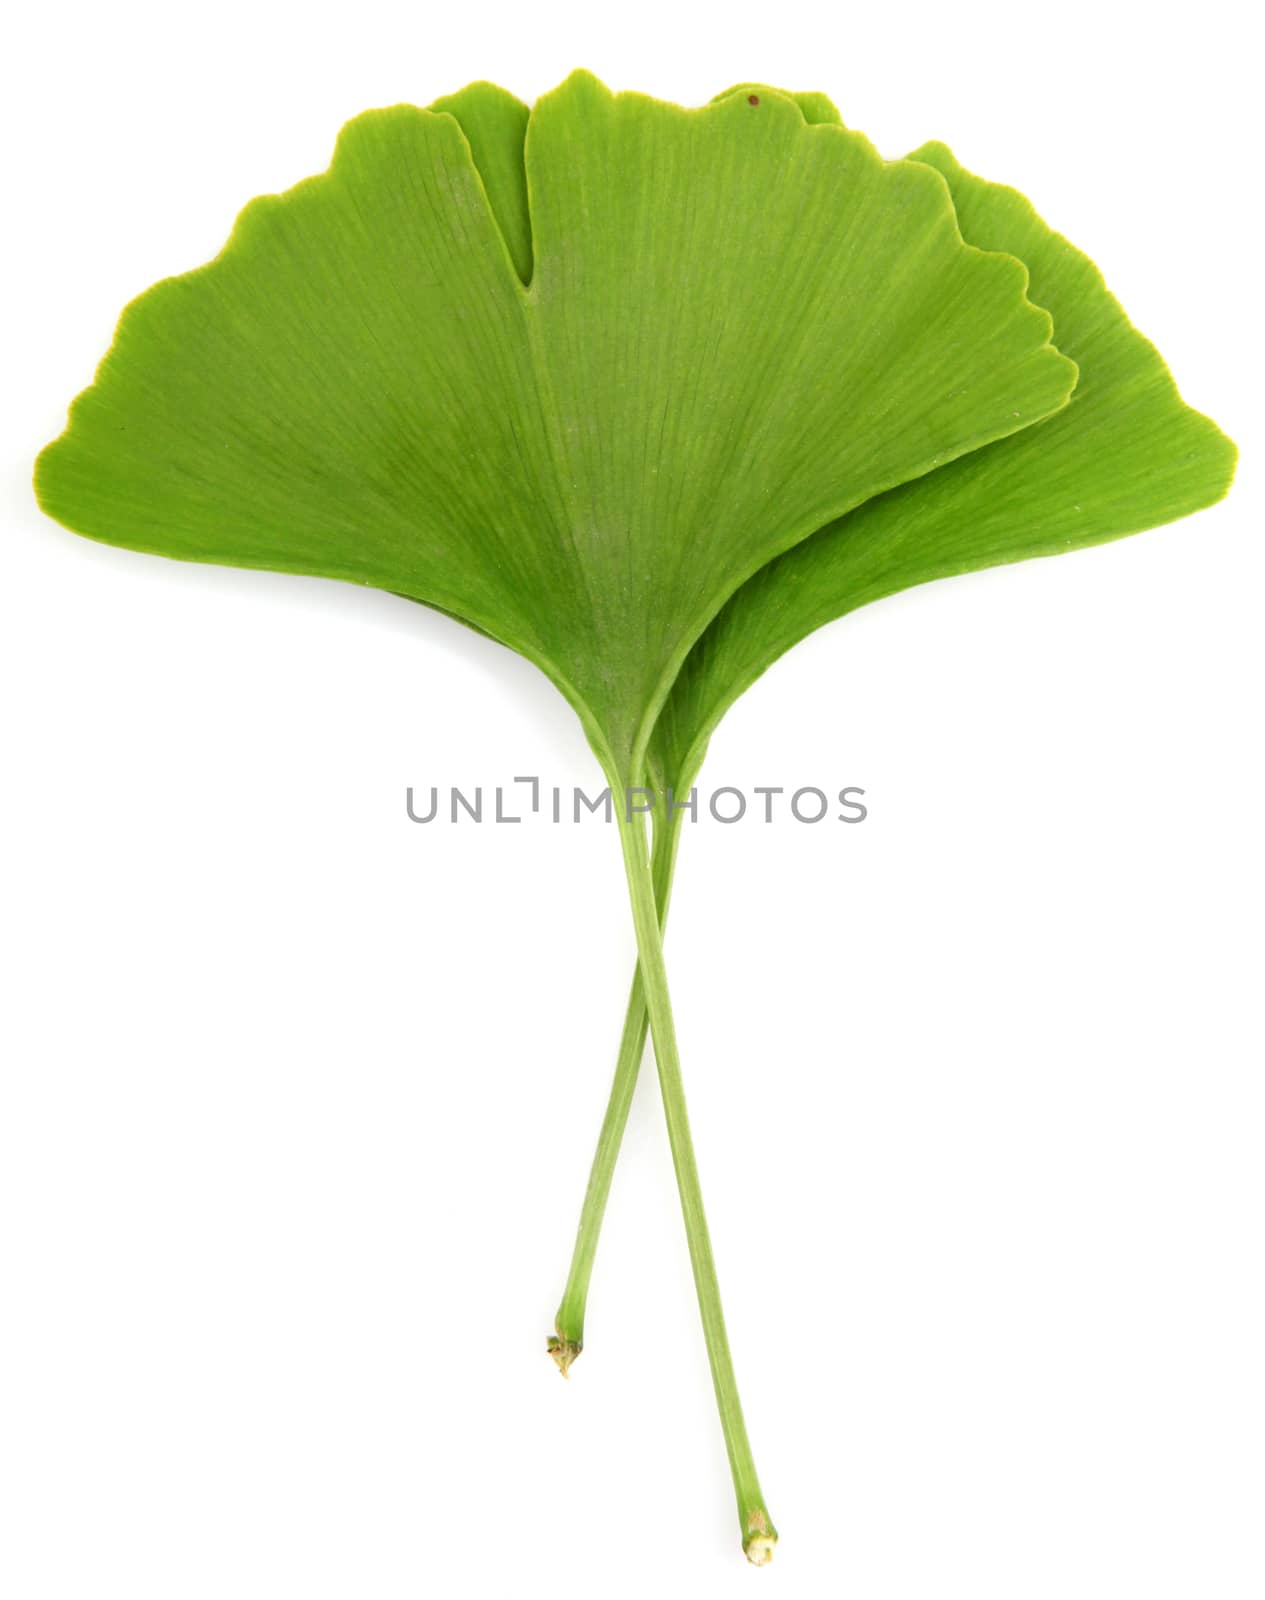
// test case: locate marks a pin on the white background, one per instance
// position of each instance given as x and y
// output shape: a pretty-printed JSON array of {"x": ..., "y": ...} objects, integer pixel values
[{"x": 298, "y": 1097}]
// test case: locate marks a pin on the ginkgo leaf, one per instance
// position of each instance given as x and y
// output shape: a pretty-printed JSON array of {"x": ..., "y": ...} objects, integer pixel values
[
  {"x": 738, "y": 325},
  {"x": 1124, "y": 455}
]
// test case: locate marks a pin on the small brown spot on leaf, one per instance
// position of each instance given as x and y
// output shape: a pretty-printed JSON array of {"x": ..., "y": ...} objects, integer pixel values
[{"x": 753, "y": 99}]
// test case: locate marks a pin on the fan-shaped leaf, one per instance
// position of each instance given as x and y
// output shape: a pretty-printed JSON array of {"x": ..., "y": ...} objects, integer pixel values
[{"x": 1125, "y": 454}]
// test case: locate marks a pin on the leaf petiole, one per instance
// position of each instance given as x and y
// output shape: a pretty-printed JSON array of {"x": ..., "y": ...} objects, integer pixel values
[
  {"x": 568, "y": 1339},
  {"x": 758, "y": 1533}
]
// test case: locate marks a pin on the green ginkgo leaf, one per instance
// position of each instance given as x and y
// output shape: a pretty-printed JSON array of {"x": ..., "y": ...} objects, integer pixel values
[
  {"x": 572, "y": 376},
  {"x": 1125, "y": 454}
]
